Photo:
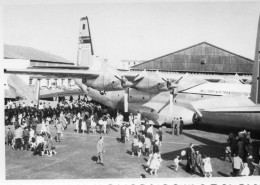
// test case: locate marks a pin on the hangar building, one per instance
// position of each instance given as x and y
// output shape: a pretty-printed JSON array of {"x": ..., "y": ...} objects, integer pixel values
[
  {"x": 22, "y": 57},
  {"x": 200, "y": 58}
]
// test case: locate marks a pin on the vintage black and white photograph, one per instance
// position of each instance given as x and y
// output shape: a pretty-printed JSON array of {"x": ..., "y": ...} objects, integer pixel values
[{"x": 107, "y": 90}]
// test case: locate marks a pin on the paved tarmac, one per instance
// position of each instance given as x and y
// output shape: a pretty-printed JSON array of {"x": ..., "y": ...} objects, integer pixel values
[{"x": 76, "y": 157}]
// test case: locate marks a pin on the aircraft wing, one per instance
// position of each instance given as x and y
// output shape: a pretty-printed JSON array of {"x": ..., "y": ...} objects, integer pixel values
[
  {"x": 224, "y": 103},
  {"x": 248, "y": 109},
  {"x": 57, "y": 92},
  {"x": 55, "y": 72}
]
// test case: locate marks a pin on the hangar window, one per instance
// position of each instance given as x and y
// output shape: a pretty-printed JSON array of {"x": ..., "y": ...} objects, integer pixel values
[{"x": 83, "y": 26}]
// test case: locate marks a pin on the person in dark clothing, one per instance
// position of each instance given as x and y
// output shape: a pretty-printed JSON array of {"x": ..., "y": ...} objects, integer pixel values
[
  {"x": 190, "y": 159},
  {"x": 250, "y": 162},
  {"x": 240, "y": 145},
  {"x": 181, "y": 125},
  {"x": 233, "y": 145},
  {"x": 122, "y": 130},
  {"x": 109, "y": 123},
  {"x": 155, "y": 147},
  {"x": 160, "y": 136},
  {"x": 26, "y": 138},
  {"x": 198, "y": 163},
  {"x": 88, "y": 123},
  {"x": 9, "y": 137}
]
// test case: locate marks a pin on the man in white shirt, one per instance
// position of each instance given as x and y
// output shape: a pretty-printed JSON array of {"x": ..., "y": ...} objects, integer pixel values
[{"x": 237, "y": 164}]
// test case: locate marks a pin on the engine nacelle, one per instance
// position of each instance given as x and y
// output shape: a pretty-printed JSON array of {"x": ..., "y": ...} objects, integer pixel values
[
  {"x": 151, "y": 85},
  {"x": 105, "y": 82}
]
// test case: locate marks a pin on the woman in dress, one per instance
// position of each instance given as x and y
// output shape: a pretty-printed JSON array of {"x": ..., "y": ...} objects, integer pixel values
[
  {"x": 155, "y": 163},
  {"x": 207, "y": 167}
]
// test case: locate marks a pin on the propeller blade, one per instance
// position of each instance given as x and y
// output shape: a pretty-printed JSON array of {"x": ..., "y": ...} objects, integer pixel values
[
  {"x": 126, "y": 95},
  {"x": 118, "y": 78},
  {"x": 184, "y": 76}
]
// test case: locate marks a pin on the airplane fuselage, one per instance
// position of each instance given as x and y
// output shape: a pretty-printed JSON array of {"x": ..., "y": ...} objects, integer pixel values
[{"x": 156, "y": 106}]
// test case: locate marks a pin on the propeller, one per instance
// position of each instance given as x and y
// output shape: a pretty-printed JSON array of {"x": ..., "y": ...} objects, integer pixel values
[
  {"x": 126, "y": 85},
  {"x": 171, "y": 86},
  {"x": 141, "y": 75}
]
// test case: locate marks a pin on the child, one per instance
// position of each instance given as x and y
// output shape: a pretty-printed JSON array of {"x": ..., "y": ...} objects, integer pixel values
[
  {"x": 49, "y": 146},
  {"x": 135, "y": 146},
  {"x": 155, "y": 163},
  {"x": 245, "y": 171},
  {"x": 176, "y": 163},
  {"x": 140, "y": 144},
  {"x": 207, "y": 167},
  {"x": 32, "y": 144}
]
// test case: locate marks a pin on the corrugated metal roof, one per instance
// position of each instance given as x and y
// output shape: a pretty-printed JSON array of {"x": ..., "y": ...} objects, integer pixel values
[
  {"x": 28, "y": 53},
  {"x": 202, "y": 57}
]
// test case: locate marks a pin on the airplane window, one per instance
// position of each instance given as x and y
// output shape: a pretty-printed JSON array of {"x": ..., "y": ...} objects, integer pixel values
[
  {"x": 143, "y": 97},
  {"x": 130, "y": 96}
]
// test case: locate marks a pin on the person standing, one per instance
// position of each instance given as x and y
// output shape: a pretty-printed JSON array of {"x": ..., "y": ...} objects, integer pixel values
[
  {"x": 123, "y": 133},
  {"x": 88, "y": 123},
  {"x": 177, "y": 127},
  {"x": 198, "y": 162},
  {"x": 237, "y": 164},
  {"x": 109, "y": 123},
  {"x": 26, "y": 135},
  {"x": 100, "y": 151},
  {"x": 58, "y": 131},
  {"x": 181, "y": 125},
  {"x": 18, "y": 133},
  {"x": 173, "y": 126},
  {"x": 250, "y": 161},
  {"x": 207, "y": 166},
  {"x": 190, "y": 153},
  {"x": 148, "y": 145},
  {"x": 9, "y": 137},
  {"x": 176, "y": 162},
  {"x": 160, "y": 136},
  {"x": 34, "y": 124}
]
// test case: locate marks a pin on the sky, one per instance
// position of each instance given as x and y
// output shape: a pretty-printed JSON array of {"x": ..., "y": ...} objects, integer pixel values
[{"x": 135, "y": 31}]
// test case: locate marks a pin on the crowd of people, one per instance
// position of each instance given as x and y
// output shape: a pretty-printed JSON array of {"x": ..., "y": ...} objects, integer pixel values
[
  {"x": 88, "y": 117},
  {"x": 24, "y": 120},
  {"x": 239, "y": 151}
]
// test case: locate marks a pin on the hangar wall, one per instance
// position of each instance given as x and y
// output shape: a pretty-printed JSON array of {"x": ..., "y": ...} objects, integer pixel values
[{"x": 202, "y": 57}]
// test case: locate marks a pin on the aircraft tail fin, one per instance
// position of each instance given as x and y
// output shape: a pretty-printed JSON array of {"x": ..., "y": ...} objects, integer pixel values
[
  {"x": 85, "y": 47},
  {"x": 255, "y": 92}
]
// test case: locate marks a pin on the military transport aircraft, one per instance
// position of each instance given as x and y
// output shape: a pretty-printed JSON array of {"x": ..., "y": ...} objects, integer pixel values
[{"x": 158, "y": 98}]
